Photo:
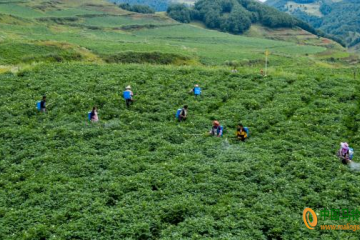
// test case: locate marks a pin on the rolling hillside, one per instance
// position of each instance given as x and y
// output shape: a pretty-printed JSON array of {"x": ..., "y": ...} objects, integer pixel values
[
  {"x": 339, "y": 18},
  {"x": 101, "y": 32},
  {"x": 140, "y": 174},
  {"x": 235, "y": 16}
]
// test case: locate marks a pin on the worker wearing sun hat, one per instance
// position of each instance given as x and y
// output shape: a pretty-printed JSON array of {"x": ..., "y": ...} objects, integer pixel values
[
  {"x": 196, "y": 90},
  {"x": 128, "y": 96},
  {"x": 343, "y": 153},
  {"x": 217, "y": 129}
]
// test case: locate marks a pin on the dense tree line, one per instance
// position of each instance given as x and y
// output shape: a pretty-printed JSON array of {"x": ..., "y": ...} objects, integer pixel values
[
  {"x": 341, "y": 20},
  {"x": 157, "y": 5},
  {"x": 234, "y": 16},
  {"x": 181, "y": 13},
  {"x": 136, "y": 8}
]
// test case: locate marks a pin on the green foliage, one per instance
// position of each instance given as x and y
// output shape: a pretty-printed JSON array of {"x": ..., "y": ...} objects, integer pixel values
[
  {"x": 136, "y": 8},
  {"x": 105, "y": 34},
  {"x": 146, "y": 57},
  {"x": 339, "y": 21},
  {"x": 234, "y": 16},
  {"x": 138, "y": 174},
  {"x": 158, "y": 5},
  {"x": 14, "y": 53},
  {"x": 180, "y": 12}
]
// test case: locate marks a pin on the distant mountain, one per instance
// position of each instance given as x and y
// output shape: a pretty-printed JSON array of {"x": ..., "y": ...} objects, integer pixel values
[
  {"x": 340, "y": 18},
  {"x": 157, "y": 5}
]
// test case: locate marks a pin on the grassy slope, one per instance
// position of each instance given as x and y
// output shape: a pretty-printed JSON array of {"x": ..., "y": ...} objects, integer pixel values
[
  {"x": 104, "y": 30},
  {"x": 138, "y": 174}
]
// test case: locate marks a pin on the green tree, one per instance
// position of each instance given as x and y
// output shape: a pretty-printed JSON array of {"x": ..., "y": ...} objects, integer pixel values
[
  {"x": 179, "y": 12},
  {"x": 136, "y": 8}
]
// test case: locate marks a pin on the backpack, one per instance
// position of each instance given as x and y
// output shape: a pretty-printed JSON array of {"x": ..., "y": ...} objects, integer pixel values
[
  {"x": 127, "y": 95},
  {"x": 178, "y": 112},
  {"x": 220, "y": 128},
  {"x": 247, "y": 131},
  {"x": 197, "y": 91},
  {"x": 351, "y": 153},
  {"x": 89, "y": 115},
  {"x": 38, "y": 105}
]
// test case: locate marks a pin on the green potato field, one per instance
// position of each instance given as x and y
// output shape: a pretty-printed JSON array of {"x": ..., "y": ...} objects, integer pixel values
[{"x": 139, "y": 174}]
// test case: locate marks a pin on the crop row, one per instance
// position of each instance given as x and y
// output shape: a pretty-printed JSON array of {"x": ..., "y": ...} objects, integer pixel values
[{"x": 140, "y": 174}]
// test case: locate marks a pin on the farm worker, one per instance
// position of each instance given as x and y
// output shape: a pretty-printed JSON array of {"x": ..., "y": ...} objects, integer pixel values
[
  {"x": 345, "y": 153},
  {"x": 241, "y": 133},
  {"x": 217, "y": 129},
  {"x": 94, "y": 115},
  {"x": 234, "y": 70},
  {"x": 196, "y": 90},
  {"x": 43, "y": 104},
  {"x": 128, "y": 96},
  {"x": 183, "y": 113}
]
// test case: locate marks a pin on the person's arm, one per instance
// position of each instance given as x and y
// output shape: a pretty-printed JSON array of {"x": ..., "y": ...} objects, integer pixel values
[
  {"x": 344, "y": 157},
  {"x": 347, "y": 157},
  {"x": 220, "y": 132}
]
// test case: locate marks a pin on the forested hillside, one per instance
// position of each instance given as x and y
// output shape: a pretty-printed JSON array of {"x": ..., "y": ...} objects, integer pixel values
[
  {"x": 339, "y": 18},
  {"x": 234, "y": 16}
]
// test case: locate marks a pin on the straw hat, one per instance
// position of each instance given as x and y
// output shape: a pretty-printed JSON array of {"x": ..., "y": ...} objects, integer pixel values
[{"x": 128, "y": 87}]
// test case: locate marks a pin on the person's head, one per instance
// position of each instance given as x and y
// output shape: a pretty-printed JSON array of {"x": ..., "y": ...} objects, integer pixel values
[
  {"x": 44, "y": 98},
  {"x": 240, "y": 126},
  {"x": 94, "y": 108},
  {"x": 128, "y": 87},
  {"x": 186, "y": 107},
  {"x": 196, "y": 85},
  {"x": 344, "y": 147},
  {"x": 216, "y": 123}
]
